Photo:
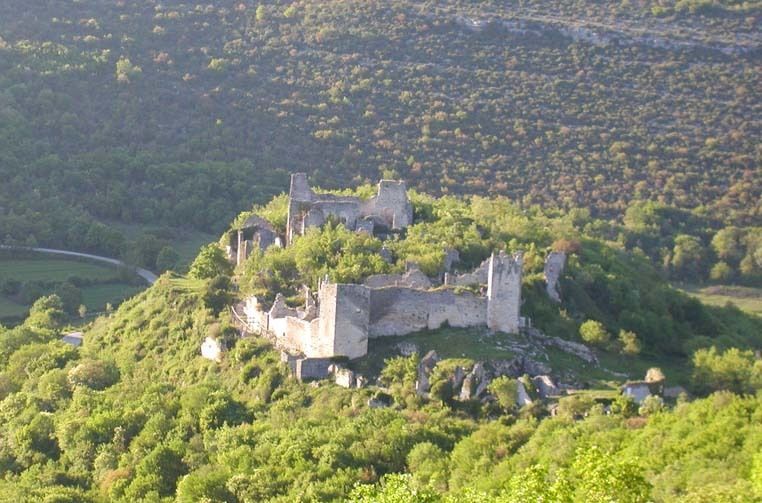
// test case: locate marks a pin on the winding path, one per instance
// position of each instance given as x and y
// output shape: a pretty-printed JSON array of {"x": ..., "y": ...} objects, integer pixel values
[{"x": 143, "y": 273}]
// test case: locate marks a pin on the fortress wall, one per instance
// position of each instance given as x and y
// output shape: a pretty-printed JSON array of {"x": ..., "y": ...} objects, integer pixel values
[
  {"x": 458, "y": 310},
  {"x": 400, "y": 311}
]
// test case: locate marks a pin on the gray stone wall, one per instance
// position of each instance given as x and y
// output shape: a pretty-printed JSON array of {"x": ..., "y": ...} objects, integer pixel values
[
  {"x": 401, "y": 310},
  {"x": 393, "y": 205}
]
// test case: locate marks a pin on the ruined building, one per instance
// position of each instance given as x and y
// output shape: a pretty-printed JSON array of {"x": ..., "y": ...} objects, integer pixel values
[
  {"x": 254, "y": 233},
  {"x": 345, "y": 316},
  {"x": 390, "y": 209}
]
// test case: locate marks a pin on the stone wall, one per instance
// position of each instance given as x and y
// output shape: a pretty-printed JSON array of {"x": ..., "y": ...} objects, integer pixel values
[
  {"x": 478, "y": 276},
  {"x": 346, "y": 315},
  {"x": 401, "y": 310}
]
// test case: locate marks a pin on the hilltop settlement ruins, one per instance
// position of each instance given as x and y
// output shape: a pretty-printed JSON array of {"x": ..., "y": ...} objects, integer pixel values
[{"x": 335, "y": 323}]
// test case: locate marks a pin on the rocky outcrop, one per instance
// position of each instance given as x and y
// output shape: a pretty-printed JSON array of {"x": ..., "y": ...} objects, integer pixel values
[
  {"x": 575, "y": 348},
  {"x": 427, "y": 364},
  {"x": 554, "y": 266},
  {"x": 522, "y": 397},
  {"x": 545, "y": 386}
]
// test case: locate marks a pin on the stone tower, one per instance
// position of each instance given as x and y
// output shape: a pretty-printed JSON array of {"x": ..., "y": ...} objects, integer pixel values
[
  {"x": 344, "y": 320},
  {"x": 504, "y": 292},
  {"x": 299, "y": 197},
  {"x": 392, "y": 203}
]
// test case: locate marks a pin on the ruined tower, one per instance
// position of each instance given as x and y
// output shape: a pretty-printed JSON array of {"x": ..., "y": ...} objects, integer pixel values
[
  {"x": 299, "y": 197},
  {"x": 393, "y": 204},
  {"x": 504, "y": 292},
  {"x": 344, "y": 320}
]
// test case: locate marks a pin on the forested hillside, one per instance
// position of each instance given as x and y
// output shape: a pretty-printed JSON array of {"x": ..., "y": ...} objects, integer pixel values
[
  {"x": 137, "y": 415},
  {"x": 181, "y": 114}
]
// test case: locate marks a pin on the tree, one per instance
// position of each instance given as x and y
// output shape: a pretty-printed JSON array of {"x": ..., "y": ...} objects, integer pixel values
[
  {"x": 47, "y": 312},
  {"x": 93, "y": 374},
  {"x": 603, "y": 477},
  {"x": 205, "y": 484},
  {"x": 505, "y": 390},
  {"x": 721, "y": 271},
  {"x": 651, "y": 405},
  {"x": 210, "y": 262},
  {"x": 393, "y": 488},
  {"x": 70, "y": 295},
  {"x": 593, "y": 332},
  {"x": 733, "y": 370},
  {"x": 428, "y": 464},
  {"x": 688, "y": 257},
  {"x": 630, "y": 342}
]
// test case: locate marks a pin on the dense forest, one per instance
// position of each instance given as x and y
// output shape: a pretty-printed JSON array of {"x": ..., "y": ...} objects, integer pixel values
[
  {"x": 181, "y": 114},
  {"x": 136, "y": 414}
]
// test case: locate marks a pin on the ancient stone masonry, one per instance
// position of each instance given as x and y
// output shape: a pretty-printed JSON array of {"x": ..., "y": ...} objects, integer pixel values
[
  {"x": 344, "y": 316},
  {"x": 504, "y": 292},
  {"x": 554, "y": 266},
  {"x": 255, "y": 233},
  {"x": 390, "y": 208}
]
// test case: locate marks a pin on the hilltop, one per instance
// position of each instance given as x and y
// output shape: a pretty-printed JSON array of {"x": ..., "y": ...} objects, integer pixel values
[{"x": 136, "y": 414}]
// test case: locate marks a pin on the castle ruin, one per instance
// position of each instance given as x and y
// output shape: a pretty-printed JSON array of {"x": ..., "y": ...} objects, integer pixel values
[
  {"x": 338, "y": 319},
  {"x": 345, "y": 316},
  {"x": 390, "y": 209}
]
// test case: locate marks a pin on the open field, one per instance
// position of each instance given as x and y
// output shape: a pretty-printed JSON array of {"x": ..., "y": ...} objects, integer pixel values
[
  {"x": 102, "y": 284},
  {"x": 52, "y": 269},
  {"x": 747, "y": 299},
  {"x": 95, "y": 297}
]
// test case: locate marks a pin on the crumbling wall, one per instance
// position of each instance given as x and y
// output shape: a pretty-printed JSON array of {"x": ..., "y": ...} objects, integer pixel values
[
  {"x": 413, "y": 278},
  {"x": 392, "y": 204},
  {"x": 478, "y": 276}
]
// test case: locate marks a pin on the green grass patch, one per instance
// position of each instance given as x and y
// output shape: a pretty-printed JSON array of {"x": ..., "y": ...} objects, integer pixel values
[
  {"x": 53, "y": 269},
  {"x": 97, "y": 296},
  {"x": 747, "y": 299}
]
